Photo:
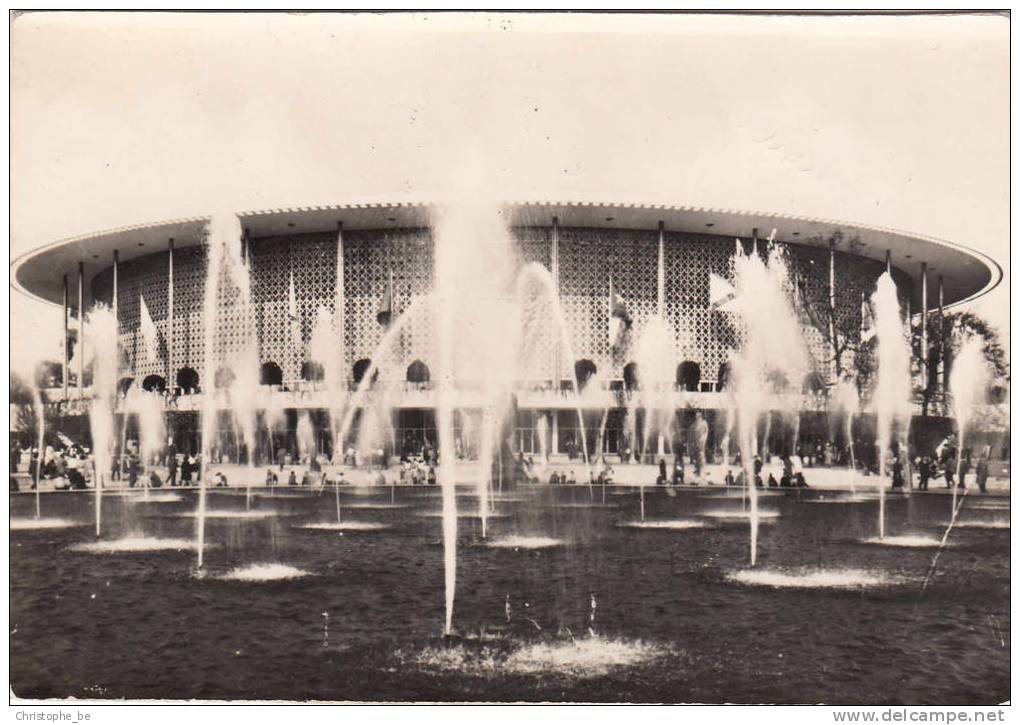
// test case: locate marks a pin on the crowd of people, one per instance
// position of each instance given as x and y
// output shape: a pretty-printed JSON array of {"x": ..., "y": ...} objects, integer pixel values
[{"x": 72, "y": 466}]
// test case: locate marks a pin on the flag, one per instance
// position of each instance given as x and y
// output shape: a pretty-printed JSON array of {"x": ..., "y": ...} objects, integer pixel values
[
  {"x": 803, "y": 304},
  {"x": 69, "y": 343},
  {"x": 619, "y": 315},
  {"x": 385, "y": 313},
  {"x": 150, "y": 335},
  {"x": 721, "y": 294},
  {"x": 867, "y": 320}
]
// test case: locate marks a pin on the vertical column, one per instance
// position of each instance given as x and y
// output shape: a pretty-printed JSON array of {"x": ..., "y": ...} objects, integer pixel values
[
  {"x": 339, "y": 311},
  {"x": 924, "y": 325},
  {"x": 888, "y": 262},
  {"x": 834, "y": 371},
  {"x": 81, "y": 330},
  {"x": 554, "y": 264},
  {"x": 660, "y": 289},
  {"x": 942, "y": 340},
  {"x": 66, "y": 330},
  {"x": 338, "y": 303},
  {"x": 554, "y": 443},
  {"x": 116, "y": 286},
  {"x": 170, "y": 381}
]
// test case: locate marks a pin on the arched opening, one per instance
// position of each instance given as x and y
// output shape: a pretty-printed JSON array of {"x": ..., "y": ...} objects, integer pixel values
[
  {"x": 155, "y": 383},
  {"x": 187, "y": 379},
  {"x": 723, "y": 378},
  {"x": 224, "y": 377},
  {"x": 359, "y": 369},
  {"x": 270, "y": 374},
  {"x": 688, "y": 376},
  {"x": 418, "y": 372},
  {"x": 584, "y": 371},
  {"x": 312, "y": 371},
  {"x": 630, "y": 376},
  {"x": 124, "y": 384},
  {"x": 814, "y": 383}
]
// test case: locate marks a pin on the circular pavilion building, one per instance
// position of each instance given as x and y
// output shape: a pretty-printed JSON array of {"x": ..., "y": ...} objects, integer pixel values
[{"x": 369, "y": 262}]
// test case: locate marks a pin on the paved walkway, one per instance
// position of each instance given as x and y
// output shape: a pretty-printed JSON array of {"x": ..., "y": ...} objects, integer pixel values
[{"x": 823, "y": 478}]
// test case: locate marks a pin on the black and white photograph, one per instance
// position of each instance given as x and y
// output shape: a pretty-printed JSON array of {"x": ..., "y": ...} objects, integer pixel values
[{"x": 590, "y": 357}]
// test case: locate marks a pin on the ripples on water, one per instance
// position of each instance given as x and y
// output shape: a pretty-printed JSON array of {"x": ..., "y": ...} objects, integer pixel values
[
  {"x": 589, "y": 656},
  {"x": 344, "y": 526},
  {"x": 738, "y": 514},
  {"x": 813, "y": 579},
  {"x": 678, "y": 524},
  {"x": 230, "y": 514},
  {"x": 132, "y": 544},
  {"x": 27, "y": 524},
  {"x": 155, "y": 498},
  {"x": 908, "y": 541},
  {"x": 524, "y": 542},
  {"x": 263, "y": 573}
]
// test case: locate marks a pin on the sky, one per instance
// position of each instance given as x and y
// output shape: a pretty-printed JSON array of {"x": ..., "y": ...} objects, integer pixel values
[{"x": 117, "y": 119}]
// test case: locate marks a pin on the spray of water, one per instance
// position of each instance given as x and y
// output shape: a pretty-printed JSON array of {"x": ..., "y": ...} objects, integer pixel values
[
  {"x": 227, "y": 297},
  {"x": 541, "y": 315},
  {"x": 771, "y": 341},
  {"x": 100, "y": 329},
  {"x": 473, "y": 286},
  {"x": 654, "y": 353},
  {"x": 40, "y": 423},
  {"x": 325, "y": 350},
  {"x": 967, "y": 382},
  {"x": 845, "y": 401},
  {"x": 890, "y": 399}
]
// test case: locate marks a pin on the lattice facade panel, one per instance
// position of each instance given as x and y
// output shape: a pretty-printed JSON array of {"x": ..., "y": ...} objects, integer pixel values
[
  {"x": 311, "y": 260},
  {"x": 369, "y": 259},
  {"x": 587, "y": 258},
  {"x": 703, "y": 336}
]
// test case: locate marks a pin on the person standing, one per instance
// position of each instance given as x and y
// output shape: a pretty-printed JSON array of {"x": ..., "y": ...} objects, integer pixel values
[
  {"x": 33, "y": 467},
  {"x": 950, "y": 472},
  {"x": 982, "y": 473},
  {"x": 171, "y": 465},
  {"x": 965, "y": 466},
  {"x": 924, "y": 471},
  {"x": 897, "y": 471},
  {"x": 678, "y": 470}
]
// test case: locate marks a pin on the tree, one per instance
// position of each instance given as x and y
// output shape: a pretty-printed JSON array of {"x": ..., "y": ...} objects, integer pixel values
[
  {"x": 23, "y": 400},
  {"x": 842, "y": 333},
  {"x": 958, "y": 327}
]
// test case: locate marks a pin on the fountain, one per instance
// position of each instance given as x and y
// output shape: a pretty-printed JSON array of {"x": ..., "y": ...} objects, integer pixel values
[
  {"x": 890, "y": 398},
  {"x": 845, "y": 399},
  {"x": 227, "y": 299},
  {"x": 101, "y": 328},
  {"x": 148, "y": 409},
  {"x": 967, "y": 381},
  {"x": 654, "y": 353},
  {"x": 474, "y": 264},
  {"x": 535, "y": 283},
  {"x": 771, "y": 342},
  {"x": 324, "y": 350},
  {"x": 40, "y": 422}
]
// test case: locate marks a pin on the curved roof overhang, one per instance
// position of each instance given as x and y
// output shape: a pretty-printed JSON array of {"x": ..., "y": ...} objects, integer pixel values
[{"x": 967, "y": 273}]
